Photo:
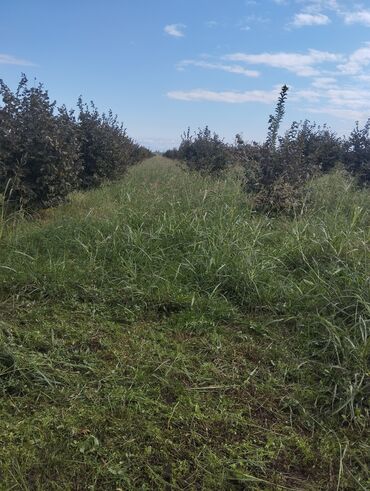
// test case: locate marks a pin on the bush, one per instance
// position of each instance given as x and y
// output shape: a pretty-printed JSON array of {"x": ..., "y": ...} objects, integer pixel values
[
  {"x": 172, "y": 153},
  {"x": 204, "y": 151},
  {"x": 39, "y": 149},
  {"x": 139, "y": 153},
  {"x": 277, "y": 170},
  {"x": 307, "y": 148},
  {"x": 357, "y": 153},
  {"x": 105, "y": 147},
  {"x": 45, "y": 153}
]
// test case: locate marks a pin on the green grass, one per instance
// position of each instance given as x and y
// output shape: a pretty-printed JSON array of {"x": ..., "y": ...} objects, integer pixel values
[{"x": 158, "y": 334}]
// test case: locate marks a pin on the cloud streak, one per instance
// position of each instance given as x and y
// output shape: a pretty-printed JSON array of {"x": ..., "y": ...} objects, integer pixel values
[
  {"x": 336, "y": 84},
  {"x": 298, "y": 63},
  {"x": 12, "y": 60},
  {"x": 175, "y": 30},
  {"x": 359, "y": 17},
  {"x": 305, "y": 19},
  {"x": 231, "y": 97},
  {"x": 237, "y": 69},
  {"x": 356, "y": 61}
]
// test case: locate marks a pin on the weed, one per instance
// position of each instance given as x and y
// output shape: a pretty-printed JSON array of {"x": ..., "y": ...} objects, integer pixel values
[{"x": 157, "y": 332}]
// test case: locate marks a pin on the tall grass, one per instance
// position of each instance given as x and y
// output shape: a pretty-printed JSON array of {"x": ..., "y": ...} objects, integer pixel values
[{"x": 169, "y": 246}]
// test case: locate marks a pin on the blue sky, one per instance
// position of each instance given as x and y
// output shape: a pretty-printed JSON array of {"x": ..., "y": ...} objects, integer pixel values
[{"x": 163, "y": 65}]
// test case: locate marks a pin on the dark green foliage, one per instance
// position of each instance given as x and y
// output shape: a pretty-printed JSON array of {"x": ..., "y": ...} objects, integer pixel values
[
  {"x": 304, "y": 151},
  {"x": 172, "y": 153},
  {"x": 307, "y": 148},
  {"x": 204, "y": 151},
  {"x": 277, "y": 170},
  {"x": 45, "y": 153},
  {"x": 139, "y": 153},
  {"x": 275, "y": 120},
  {"x": 106, "y": 149},
  {"x": 39, "y": 149},
  {"x": 357, "y": 153}
]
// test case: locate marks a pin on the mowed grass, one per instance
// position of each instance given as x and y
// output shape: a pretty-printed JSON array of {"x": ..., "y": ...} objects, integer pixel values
[{"x": 158, "y": 334}]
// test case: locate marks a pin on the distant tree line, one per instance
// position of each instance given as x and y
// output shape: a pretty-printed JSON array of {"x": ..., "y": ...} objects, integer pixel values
[
  {"x": 276, "y": 170},
  {"x": 48, "y": 151}
]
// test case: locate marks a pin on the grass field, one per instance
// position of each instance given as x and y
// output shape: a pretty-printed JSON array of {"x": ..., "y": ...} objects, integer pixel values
[{"x": 158, "y": 334}]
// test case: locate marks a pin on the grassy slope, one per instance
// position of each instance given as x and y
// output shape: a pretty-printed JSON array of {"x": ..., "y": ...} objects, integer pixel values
[{"x": 157, "y": 333}]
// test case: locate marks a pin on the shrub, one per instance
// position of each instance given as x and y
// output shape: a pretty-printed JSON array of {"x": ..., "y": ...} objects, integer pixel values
[
  {"x": 45, "y": 153},
  {"x": 357, "y": 153},
  {"x": 172, "y": 153},
  {"x": 307, "y": 148},
  {"x": 204, "y": 151},
  {"x": 139, "y": 153},
  {"x": 277, "y": 170},
  {"x": 39, "y": 149},
  {"x": 105, "y": 147},
  {"x": 276, "y": 119}
]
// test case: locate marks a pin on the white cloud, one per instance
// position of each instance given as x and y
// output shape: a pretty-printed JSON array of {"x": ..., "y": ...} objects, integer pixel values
[
  {"x": 351, "y": 97},
  {"x": 324, "y": 82},
  {"x": 245, "y": 23},
  {"x": 307, "y": 95},
  {"x": 219, "y": 66},
  {"x": 212, "y": 24},
  {"x": 175, "y": 30},
  {"x": 313, "y": 12},
  {"x": 338, "y": 84},
  {"x": 344, "y": 103},
  {"x": 322, "y": 97},
  {"x": 357, "y": 17},
  {"x": 12, "y": 60},
  {"x": 312, "y": 5},
  {"x": 363, "y": 78},
  {"x": 347, "y": 114},
  {"x": 350, "y": 103},
  {"x": 356, "y": 61},
  {"x": 305, "y": 19},
  {"x": 233, "y": 97},
  {"x": 317, "y": 6},
  {"x": 300, "y": 64}
]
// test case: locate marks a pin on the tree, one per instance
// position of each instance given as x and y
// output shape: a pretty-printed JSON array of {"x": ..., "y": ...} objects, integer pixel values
[
  {"x": 275, "y": 120},
  {"x": 357, "y": 153},
  {"x": 39, "y": 149},
  {"x": 204, "y": 151},
  {"x": 106, "y": 149}
]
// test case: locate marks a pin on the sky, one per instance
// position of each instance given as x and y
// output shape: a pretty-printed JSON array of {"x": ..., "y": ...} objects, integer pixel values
[{"x": 164, "y": 65}]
